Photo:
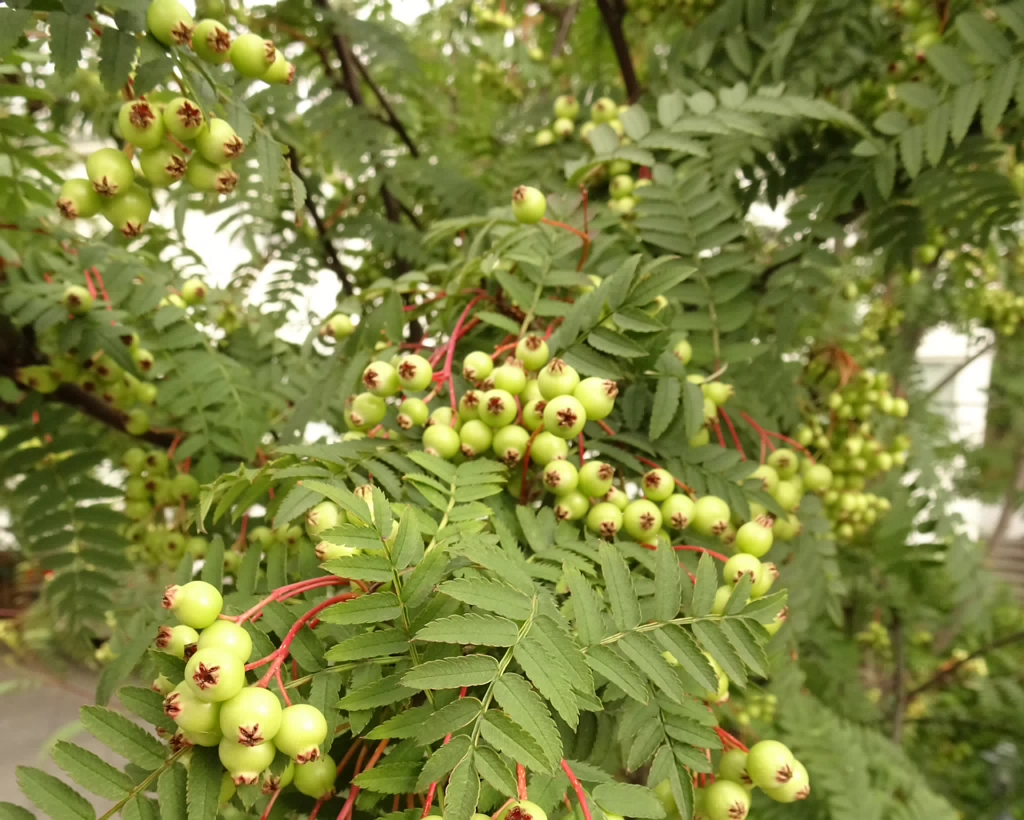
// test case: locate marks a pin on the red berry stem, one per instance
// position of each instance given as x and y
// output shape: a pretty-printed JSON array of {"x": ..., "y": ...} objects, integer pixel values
[
  {"x": 732, "y": 431},
  {"x": 692, "y": 548},
  {"x": 456, "y": 333},
  {"x": 502, "y": 348},
  {"x": 89, "y": 283},
  {"x": 606, "y": 428},
  {"x": 554, "y": 223},
  {"x": 428, "y": 802},
  {"x": 729, "y": 740},
  {"x": 581, "y": 449},
  {"x": 580, "y": 794},
  {"x": 277, "y": 657},
  {"x": 102, "y": 286},
  {"x": 346, "y": 810},
  {"x": 521, "y": 782},
  {"x": 270, "y": 804},
  {"x": 280, "y": 685},
  {"x": 769, "y": 433},
  {"x": 526, "y": 462},
  {"x": 718, "y": 432},
  {"x": 501, "y": 810},
  {"x": 290, "y": 591}
]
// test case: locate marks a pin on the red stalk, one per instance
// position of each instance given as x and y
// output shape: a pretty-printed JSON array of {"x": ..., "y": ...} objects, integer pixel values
[{"x": 580, "y": 794}]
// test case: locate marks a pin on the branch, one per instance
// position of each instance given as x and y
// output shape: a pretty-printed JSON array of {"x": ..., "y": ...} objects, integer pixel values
[
  {"x": 330, "y": 254},
  {"x": 96, "y": 408},
  {"x": 952, "y": 374},
  {"x": 946, "y": 671},
  {"x": 613, "y": 22},
  {"x": 564, "y": 27},
  {"x": 392, "y": 119}
]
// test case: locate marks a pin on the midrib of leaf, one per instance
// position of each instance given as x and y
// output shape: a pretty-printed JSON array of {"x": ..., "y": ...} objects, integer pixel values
[
  {"x": 396, "y": 577},
  {"x": 655, "y": 625},
  {"x": 452, "y": 487},
  {"x": 144, "y": 784}
]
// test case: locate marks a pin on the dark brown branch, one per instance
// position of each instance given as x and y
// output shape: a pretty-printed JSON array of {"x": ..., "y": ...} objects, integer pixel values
[
  {"x": 564, "y": 27},
  {"x": 613, "y": 15},
  {"x": 952, "y": 374},
  {"x": 946, "y": 671},
  {"x": 392, "y": 118},
  {"x": 96, "y": 408},
  {"x": 327, "y": 249}
]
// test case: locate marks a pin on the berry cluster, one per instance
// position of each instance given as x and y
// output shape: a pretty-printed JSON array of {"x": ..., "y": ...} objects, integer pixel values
[
  {"x": 213, "y": 705},
  {"x": 174, "y": 137},
  {"x": 847, "y": 436}
]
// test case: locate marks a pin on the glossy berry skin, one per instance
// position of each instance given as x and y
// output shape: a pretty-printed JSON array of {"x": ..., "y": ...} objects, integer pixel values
[
  {"x": 170, "y": 22},
  {"x": 196, "y": 604},
  {"x": 725, "y": 800},
  {"x": 620, "y": 186},
  {"x": 110, "y": 172},
  {"x": 603, "y": 110},
  {"x": 245, "y": 764},
  {"x": 533, "y": 414},
  {"x": 475, "y": 438},
  {"x": 718, "y": 392},
  {"x": 193, "y": 291},
  {"x": 528, "y": 205},
  {"x": 509, "y": 444},
  {"x": 174, "y": 639},
  {"x": 229, "y": 636},
  {"x": 444, "y": 416},
  {"x": 214, "y": 674},
  {"x": 604, "y": 519},
  {"x": 210, "y": 178},
  {"x": 498, "y": 408},
  {"x": 596, "y": 478},
  {"x": 798, "y": 787},
  {"x": 442, "y": 441},
  {"x": 818, "y": 478},
  {"x": 739, "y": 565},
  {"x": 412, "y": 412},
  {"x": 211, "y": 42},
  {"x": 754, "y": 539},
  {"x": 710, "y": 515},
  {"x": 414, "y": 373},
  {"x": 251, "y": 717},
  {"x": 316, "y": 778},
  {"x": 251, "y": 56},
  {"x": 163, "y": 166},
  {"x": 183, "y": 119},
  {"x": 557, "y": 379},
  {"x": 510, "y": 377},
  {"x": 642, "y": 519},
  {"x": 303, "y": 729},
  {"x": 767, "y": 476},
  {"x": 733, "y": 766},
  {"x": 722, "y": 596},
  {"x": 281, "y": 72},
  {"x": 321, "y": 517},
  {"x": 78, "y": 198},
  {"x": 788, "y": 495},
  {"x": 560, "y": 477},
  {"x": 658, "y": 484},
  {"x": 785, "y": 462},
  {"x": 129, "y": 212},
  {"x": 190, "y": 713},
  {"x": 677, "y": 510},
  {"x": 367, "y": 411},
  {"x": 533, "y": 352},
  {"x": 524, "y": 810},
  {"x": 78, "y": 300},
  {"x": 218, "y": 143},
  {"x": 564, "y": 417},
  {"x": 563, "y": 128},
  {"x": 567, "y": 107},
  {"x": 547, "y": 448},
  {"x": 617, "y": 497},
  {"x": 597, "y": 397},
  {"x": 769, "y": 573},
  {"x": 477, "y": 365},
  {"x": 770, "y": 764},
  {"x": 141, "y": 124},
  {"x": 683, "y": 351}
]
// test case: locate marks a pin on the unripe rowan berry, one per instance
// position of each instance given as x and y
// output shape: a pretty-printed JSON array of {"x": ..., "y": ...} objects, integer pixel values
[
  {"x": 547, "y": 448},
  {"x": 110, "y": 172},
  {"x": 603, "y": 110},
  {"x": 210, "y": 178},
  {"x": 657, "y": 484},
  {"x": 129, "y": 211},
  {"x": 211, "y": 42},
  {"x": 710, "y": 515},
  {"x": 78, "y": 300},
  {"x": 229, "y": 636},
  {"x": 533, "y": 414},
  {"x": 183, "y": 119},
  {"x": 509, "y": 444},
  {"x": 733, "y": 766},
  {"x": 316, "y": 779},
  {"x": 170, "y": 22},
  {"x": 475, "y": 438},
  {"x": 798, "y": 787},
  {"x": 477, "y": 365},
  {"x": 498, "y": 408},
  {"x": 642, "y": 519},
  {"x": 754, "y": 539},
  {"x": 678, "y": 511},
  {"x": 528, "y": 205},
  {"x": 596, "y": 478},
  {"x": 770, "y": 764},
  {"x": 214, "y": 674},
  {"x": 78, "y": 198},
  {"x": 564, "y": 416},
  {"x": 510, "y": 377},
  {"x": 245, "y": 764},
  {"x": 412, "y": 412},
  {"x": 414, "y": 373},
  {"x": 604, "y": 519},
  {"x": 174, "y": 639},
  {"x": 218, "y": 143},
  {"x": 442, "y": 441},
  {"x": 597, "y": 397},
  {"x": 557, "y": 379},
  {"x": 560, "y": 477},
  {"x": 196, "y": 604},
  {"x": 739, "y": 565},
  {"x": 769, "y": 573},
  {"x": 141, "y": 124},
  {"x": 533, "y": 352},
  {"x": 252, "y": 56},
  {"x": 725, "y": 800},
  {"x": 303, "y": 729},
  {"x": 567, "y": 107}
]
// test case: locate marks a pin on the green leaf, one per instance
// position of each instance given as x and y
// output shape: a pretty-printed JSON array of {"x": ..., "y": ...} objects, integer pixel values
[
  {"x": 376, "y": 644},
  {"x": 494, "y": 596},
  {"x": 389, "y": 778},
  {"x": 151, "y": 73},
  {"x": 586, "y": 606},
  {"x": 668, "y": 583},
  {"x": 1000, "y": 92},
  {"x": 452, "y": 673},
  {"x": 704, "y": 587},
  {"x": 911, "y": 144},
  {"x": 547, "y": 674},
  {"x": 693, "y": 409},
  {"x": 985, "y": 39},
  {"x": 115, "y": 672},
  {"x": 67, "y": 39},
  {"x": 9, "y": 811},
  {"x": 124, "y": 737},
  {"x": 764, "y": 610},
  {"x": 447, "y": 720},
  {"x": 213, "y": 563},
  {"x": 638, "y": 801},
  {"x": 408, "y": 547},
  {"x": 204, "y": 776},
  {"x": 684, "y": 649},
  {"x": 53, "y": 797},
  {"x": 624, "y": 603},
  {"x": 615, "y": 344},
  {"x": 365, "y": 567},
  {"x": 743, "y": 640},
  {"x": 667, "y": 398},
  {"x": 117, "y": 54},
  {"x": 966, "y": 100},
  {"x": 270, "y": 164},
  {"x": 171, "y": 789},
  {"x": 323, "y": 694},
  {"x": 521, "y": 703},
  {"x": 680, "y": 781},
  {"x": 463, "y": 791},
  {"x": 642, "y": 651},
  {"x": 948, "y": 64},
  {"x": 608, "y": 662},
  {"x": 493, "y": 770},
  {"x": 378, "y": 693},
  {"x": 511, "y": 739},
  {"x": 712, "y": 637},
  {"x": 482, "y": 630},
  {"x": 366, "y": 609},
  {"x": 442, "y": 761},
  {"x": 91, "y": 772}
]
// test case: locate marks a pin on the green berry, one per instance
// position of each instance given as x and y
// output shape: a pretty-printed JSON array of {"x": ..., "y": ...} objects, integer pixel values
[
  {"x": 768, "y": 477},
  {"x": 754, "y": 539},
  {"x": 339, "y": 326},
  {"x": 366, "y": 411},
  {"x": 475, "y": 438},
  {"x": 214, "y": 674},
  {"x": 414, "y": 373},
  {"x": 316, "y": 779},
  {"x": 642, "y": 519},
  {"x": 547, "y": 448},
  {"x": 183, "y": 119},
  {"x": 524, "y": 810},
  {"x": 245, "y": 764},
  {"x": 557, "y": 379},
  {"x": 281, "y": 72},
  {"x": 129, "y": 212},
  {"x": 563, "y": 128},
  {"x": 710, "y": 515},
  {"x": 381, "y": 379},
  {"x": 725, "y": 800},
  {"x": 769, "y": 572},
  {"x": 322, "y": 517},
  {"x": 218, "y": 143},
  {"x": 190, "y": 713},
  {"x": 722, "y": 596},
  {"x": 701, "y": 439},
  {"x": 211, "y": 42},
  {"x": 603, "y": 110},
  {"x": 251, "y": 717},
  {"x": 163, "y": 166},
  {"x": 785, "y": 462},
  {"x": 770, "y": 764},
  {"x": 739, "y": 565},
  {"x": 498, "y": 408},
  {"x": 196, "y": 604},
  {"x": 442, "y": 441},
  {"x": 620, "y": 186},
  {"x": 193, "y": 291},
  {"x": 683, "y": 351},
  {"x": 174, "y": 639},
  {"x": 564, "y": 417},
  {"x": 78, "y": 300},
  {"x": 509, "y": 444},
  {"x": 560, "y": 477},
  {"x": 110, "y": 172},
  {"x": 678, "y": 511},
  {"x": 477, "y": 366},
  {"x": 533, "y": 352},
  {"x": 596, "y": 478},
  {"x": 303, "y": 729},
  {"x": 733, "y": 766},
  {"x": 788, "y": 495},
  {"x": 412, "y": 412},
  {"x": 798, "y": 787},
  {"x": 141, "y": 124},
  {"x": 718, "y": 392},
  {"x": 617, "y": 497},
  {"x": 658, "y": 484},
  {"x": 252, "y": 56},
  {"x": 528, "y": 205},
  {"x": 469, "y": 405},
  {"x": 597, "y": 397},
  {"x": 510, "y": 377},
  {"x": 78, "y": 198},
  {"x": 567, "y": 107},
  {"x": 533, "y": 414},
  {"x": 572, "y": 506},
  {"x": 170, "y": 22},
  {"x": 210, "y": 178},
  {"x": 444, "y": 416},
  {"x": 818, "y": 478},
  {"x": 604, "y": 519}
]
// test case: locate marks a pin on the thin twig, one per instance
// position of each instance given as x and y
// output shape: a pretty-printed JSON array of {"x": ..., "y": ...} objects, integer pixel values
[{"x": 613, "y": 22}]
